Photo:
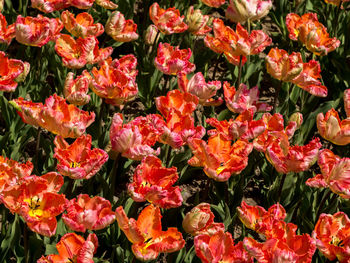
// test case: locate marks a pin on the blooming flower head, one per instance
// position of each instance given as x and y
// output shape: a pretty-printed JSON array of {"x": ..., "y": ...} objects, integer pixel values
[
  {"x": 77, "y": 160},
  {"x": 120, "y": 29},
  {"x": 134, "y": 139},
  {"x": 7, "y": 33},
  {"x": 199, "y": 87},
  {"x": 82, "y": 4},
  {"x": 197, "y": 22},
  {"x": 75, "y": 90},
  {"x": 73, "y": 248},
  {"x": 146, "y": 235},
  {"x": 167, "y": 21},
  {"x": 115, "y": 80},
  {"x": 82, "y": 25},
  {"x": 200, "y": 220},
  {"x": 335, "y": 174},
  {"x": 332, "y": 128},
  {"x": 219, "y": 158},
  {"x": 234, "y": 44},
  {"x": 12, "y": 71},
  {"x": 332, "y": 236},
  {"x": 38, "y": 202},
  {"x": 77, "y": 53},
  {"x": 55, "y": 116},
  {"x": 243, "y": 99},
  {"x": 240, "y": 11},
  {"x": 213, "y": 3},
  {"x": 219, "y": 247},
  {"x": 107, "y": 4},
  {"x": 37, "y": 31},
  {"x": 172, "y": 60},
  {"x": 85, "y": 213},
  {"x": 49, "y": 6},
  {"x": 308, "y": 30},
  {"x": 154, "y": 183}
]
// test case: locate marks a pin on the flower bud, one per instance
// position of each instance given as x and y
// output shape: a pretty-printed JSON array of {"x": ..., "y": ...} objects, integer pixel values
[
  {"x": 198, "y": 219},
  {"x": 297, "y": 117},
  {"x": 151, "y": 34}
]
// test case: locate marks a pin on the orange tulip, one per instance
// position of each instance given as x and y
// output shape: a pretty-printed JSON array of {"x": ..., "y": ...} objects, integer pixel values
[
  {"x": 107, "y": 4},
  {"x": 240, "y": 11},
  {"x": 335, "y": 174},
  {"x": 213, "y": 3},
  {"x": 77, "y": 53},
  {"x": 311, "y": 33},
  {"x": 73, "y": 248},
  {"x": 77, "y": 160},
  {"x": 85, "y": 213},
  {"x": 153, "y": 182},
  {"x": 7, "y": 33},
  {"x": 167, "y": 21},
  {"x": 81, "y": 26},
  {"x": 75, "y": 90},
  {"x": 219, "y": 158},
  {"x": 197, "y": 22},
  {"x": 37, "y": 31},
  {"x": 12, "y": 71},
  {"x": 172, "y": 60},
  {"x": 200, "y": 220},
  {"x": 146, "y": 233},
  {"x": 55, "y": 116},
  {"x": 115, "y": 81},
  {"x": 347, "y": 102},
  {"x": 120, "y": 29},
  {"x": 219, "y": 248},
  {"x": 332, "y": 235},
  {"x": 49, "y": 6},
  {"x": 332, "y": 129}
]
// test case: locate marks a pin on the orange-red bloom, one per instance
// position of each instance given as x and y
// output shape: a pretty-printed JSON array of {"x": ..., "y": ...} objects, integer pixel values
[
  {"x": 55, "y": 116},
  {"x": 7, "y": 33},
  {"x": 108, "y": 4},
  {"x": 82, "y": 4},
  {"x": 154, "y": 183},
  {"x": 219, "y": 158},
  {"x": 12, "y": 71},
  {"x": 73, "y": 248},
  {"x": 234, "y": 44},
  {"x": 75, "y": 90},
  {"x": 197, "y": 22},
  {"x": 115, "y": 81},
  {"x": 120, "y": 29},
  {"x": 85, "y": 213},
  {"x": 332, "y": 128},
  {"x": 219, "y": 248},
  {"x": 240, "y": 11},
  {"x": 167, "y": 21},
  {"x": 37, "y": 31},
  {"x": 146, "y": 233},
  {"x": 49, "y": 6},
  {"x": 77, "y": 160},
  {"x": 200, "y": 220},
  {"x": 332, "y": 235},
  {"x": 37, "y": 201},
  {"x": 213, "y": 3},
  {"x": 243, "y": 99},
  {"x": 335, "y": 174},
  {"x": 311, "y": 33},
  {"x": 198, "y": 87},
  {"x": 78, "y": 53},
  {"x": 82, "y": 25},
  {"x": 134, "y": 139},
  {"x": 290, "y": 68},
  {"x": 172, "y": 60}
]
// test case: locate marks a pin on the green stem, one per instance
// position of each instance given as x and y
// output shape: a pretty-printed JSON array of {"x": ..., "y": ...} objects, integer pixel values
[
  {"x": 275, "y": 101},
  {"x": 281, "y": 187},
  {"x": 113, "y": 177},
  {"x": 239, "y": 71},
  {"x": 25, "y": 241},
  {"x": 337, "y": 18},
  {"x": 37, "y": 146},
  {"x": 320, "y": 207}
]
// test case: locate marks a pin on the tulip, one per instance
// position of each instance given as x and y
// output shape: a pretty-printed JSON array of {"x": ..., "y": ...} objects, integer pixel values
[
  {"x": 197, "y": 22},
  {"x": 167, "y": 21},
  {"x": 120, "y": 29},
  {"x": 82, "y": 4},
  {"x": 49, "y": 6},
  {"x": 213, "y": 3},
  {"x": 153, "y": 182},
  {"x": 240, "y": 11},
  {"x": 7, "y": 33},
  {"x": 308, "y": 30},
  {"x": 73, "y": 248},
  {"x": 151, "y": 34},
  {"x": 37, "y": 31},
  {"x": 332, "y": 129},
  {"x": 347, "y": 102},
  {"x": 107, "y": 4},
  {"x": 146, "y": 235},
  {"x": 85, "y": 213},
  {"x": 75, "y": 90},
  {"x": 81, "y": 26},
  {"x": 55, "y": 116},
  {"x": 172, "y": 60}
]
